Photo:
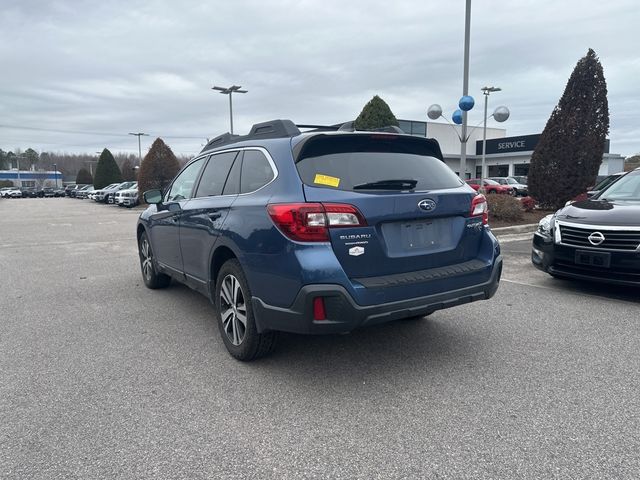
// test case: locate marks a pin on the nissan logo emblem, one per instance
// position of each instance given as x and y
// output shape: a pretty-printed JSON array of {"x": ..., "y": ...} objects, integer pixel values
[
  {"x": 427, "y": 205},
  {"x": 596, "y": 238}
]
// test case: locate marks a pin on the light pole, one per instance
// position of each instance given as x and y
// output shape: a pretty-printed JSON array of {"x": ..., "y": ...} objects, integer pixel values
[
  {"x": 55, "y": 173},
  {"x": 486, "y": 92},
  {"x": 139, "y": 134},
  {"x": 18, "y": 163},
  {"x": 229, "y": 91},
  {"x": 465, "y": 90}
]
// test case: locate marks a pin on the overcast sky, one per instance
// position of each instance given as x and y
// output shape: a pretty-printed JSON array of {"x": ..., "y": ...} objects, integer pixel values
[{"x": 94, "y": 71}]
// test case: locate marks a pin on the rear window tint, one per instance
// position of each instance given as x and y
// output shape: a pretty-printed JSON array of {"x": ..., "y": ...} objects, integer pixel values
[
  {"x": 345, "y": 170},
  {"x": 342, "y": 162}
]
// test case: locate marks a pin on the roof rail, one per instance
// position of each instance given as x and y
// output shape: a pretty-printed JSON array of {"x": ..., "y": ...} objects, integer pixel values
[
  {"x": 221, "y": 140},
  {"x": 270, "y": 129},
  {"x": 348, "y": 127},
  {"x": 274, "y": 129}
]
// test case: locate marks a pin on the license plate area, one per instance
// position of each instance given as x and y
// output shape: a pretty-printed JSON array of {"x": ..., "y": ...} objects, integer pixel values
[
  {"x": 593, "y": 259},
  {"x": 421, "y": 236}
]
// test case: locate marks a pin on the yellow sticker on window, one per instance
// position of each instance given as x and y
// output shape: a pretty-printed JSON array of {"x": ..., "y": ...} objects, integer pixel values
[{"x": 326, "y": 180}]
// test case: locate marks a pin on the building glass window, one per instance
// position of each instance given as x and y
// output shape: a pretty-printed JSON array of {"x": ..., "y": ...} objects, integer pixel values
[
  {"x": 499, "y": 170},
  {"x": 405, "y": 126},
  {"x": 521, "y": 169},
  {"x": 413, "y": 128},
  {"x": 419, "y": 128}
]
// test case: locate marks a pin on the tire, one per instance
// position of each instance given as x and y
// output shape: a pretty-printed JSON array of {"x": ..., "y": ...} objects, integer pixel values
[
  {"x": 233, "y": 302},
  {"x": 152, "y": 279}
]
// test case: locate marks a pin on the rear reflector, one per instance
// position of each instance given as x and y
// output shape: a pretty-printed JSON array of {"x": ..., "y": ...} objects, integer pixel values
[
  {"x": 310, "y": 222},
  {"x": 318, "y": 309}
]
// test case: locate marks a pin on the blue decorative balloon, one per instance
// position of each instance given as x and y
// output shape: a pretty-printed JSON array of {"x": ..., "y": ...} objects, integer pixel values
[
  {"x": 457, "y": 117},
  {"x": 466, "y": 103}
]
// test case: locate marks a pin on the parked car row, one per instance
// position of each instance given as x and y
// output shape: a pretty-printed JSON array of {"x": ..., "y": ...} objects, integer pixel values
[
  {"x": 491, "y": 186},
  {"x": 15, "y": 192},
  {"x": 520, "y": 189},
  {"x": 124, "y": 194}
]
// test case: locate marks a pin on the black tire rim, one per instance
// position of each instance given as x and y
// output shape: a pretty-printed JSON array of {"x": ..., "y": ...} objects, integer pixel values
[{"x": 233, "y": 310}]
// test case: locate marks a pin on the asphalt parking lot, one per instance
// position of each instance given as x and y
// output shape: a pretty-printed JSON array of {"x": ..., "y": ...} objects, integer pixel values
[{"x": 102, "y": 378}]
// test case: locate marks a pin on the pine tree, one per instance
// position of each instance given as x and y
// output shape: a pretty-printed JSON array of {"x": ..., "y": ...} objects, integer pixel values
[
  {"x": 375, "y": 114},
  {"x": 32, "y": 157},
  {"x": 4, "y": 164},
  {"x": 84, "y": 177},
  {"x": 569, "y": 153},
  {"x": 107, "y": 171},
  {"x": 159, "y": 167}
]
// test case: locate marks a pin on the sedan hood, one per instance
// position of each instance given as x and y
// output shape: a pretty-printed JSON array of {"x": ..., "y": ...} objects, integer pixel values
[{"x": 602, "y": 213}]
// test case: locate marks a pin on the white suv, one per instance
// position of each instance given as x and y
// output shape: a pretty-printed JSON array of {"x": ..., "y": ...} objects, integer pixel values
[
  {"x": 12, "y": 192},
  {"x": 127, "y": 198}
]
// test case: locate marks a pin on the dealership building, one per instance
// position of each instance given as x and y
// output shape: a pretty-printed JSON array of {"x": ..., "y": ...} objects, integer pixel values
[
  {"x": 505, "y": 156},
  {"x": 32, "y": 178}
]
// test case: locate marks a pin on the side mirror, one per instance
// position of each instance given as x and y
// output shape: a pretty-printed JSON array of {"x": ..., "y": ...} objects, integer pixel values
[{"x": 152, "y": 196}]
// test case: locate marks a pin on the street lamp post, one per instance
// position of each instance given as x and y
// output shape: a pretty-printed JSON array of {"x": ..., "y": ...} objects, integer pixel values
[
  {"x": 486, "y": 92},
  {"x": 55, "y": 173},
  {"x": 465, "y": 89},
  {"x": 229, "y": 91},
  {"x": 139, "y": 134}
]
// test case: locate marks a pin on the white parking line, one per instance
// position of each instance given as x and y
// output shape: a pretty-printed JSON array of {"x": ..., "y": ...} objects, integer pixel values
[
  {"x": 573, "y": 292},
  {"x": 515, "y": 237}
]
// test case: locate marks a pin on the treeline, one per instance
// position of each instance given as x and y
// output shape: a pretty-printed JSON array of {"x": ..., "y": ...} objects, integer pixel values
[{"x": 69, "y": 164}]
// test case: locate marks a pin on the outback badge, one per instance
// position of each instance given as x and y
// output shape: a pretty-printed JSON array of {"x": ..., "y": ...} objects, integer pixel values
[{"x": 427, "y": 205}]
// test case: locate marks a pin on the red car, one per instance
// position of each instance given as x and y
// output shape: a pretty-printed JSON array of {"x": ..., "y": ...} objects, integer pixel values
[{"x": 490, "y": 186}]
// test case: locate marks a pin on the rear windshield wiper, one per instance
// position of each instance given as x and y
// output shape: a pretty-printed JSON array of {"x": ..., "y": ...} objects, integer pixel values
[{"x": 387, "y": 185}]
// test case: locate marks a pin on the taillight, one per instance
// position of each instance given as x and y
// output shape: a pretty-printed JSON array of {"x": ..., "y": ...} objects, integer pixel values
[
  {"x": 310, "y": 222},
  {"x": 480, "y": 208}
]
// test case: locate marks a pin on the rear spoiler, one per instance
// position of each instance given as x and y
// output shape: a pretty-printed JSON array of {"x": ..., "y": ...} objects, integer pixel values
[{"x": 330, "y": 143}]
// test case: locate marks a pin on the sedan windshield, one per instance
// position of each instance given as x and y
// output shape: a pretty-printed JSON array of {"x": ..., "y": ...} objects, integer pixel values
[{"x": 625, "y": 189}]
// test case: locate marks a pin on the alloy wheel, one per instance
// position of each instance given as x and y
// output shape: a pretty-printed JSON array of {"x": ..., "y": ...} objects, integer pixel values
[
  {"x": 233, "y": 310},
  {"x": 147, "y": 259}
]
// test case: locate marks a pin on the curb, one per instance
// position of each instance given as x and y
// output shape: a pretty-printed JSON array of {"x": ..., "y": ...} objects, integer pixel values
[{"x": 528, "y": 228}]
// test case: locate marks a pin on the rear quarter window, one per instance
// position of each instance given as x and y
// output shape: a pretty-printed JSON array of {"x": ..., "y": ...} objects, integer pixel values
[{"x": 256, "y": 171}]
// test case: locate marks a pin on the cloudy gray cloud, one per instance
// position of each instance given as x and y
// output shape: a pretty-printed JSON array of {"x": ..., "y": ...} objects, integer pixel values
[{"x": 116, "y": 67}]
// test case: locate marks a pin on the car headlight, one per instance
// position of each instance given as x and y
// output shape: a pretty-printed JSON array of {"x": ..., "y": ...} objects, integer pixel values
[{"x": 545, "y": 225}]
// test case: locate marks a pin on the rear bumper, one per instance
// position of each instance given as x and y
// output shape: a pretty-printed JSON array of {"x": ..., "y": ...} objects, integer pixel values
[{"x": 344, "y": 314}]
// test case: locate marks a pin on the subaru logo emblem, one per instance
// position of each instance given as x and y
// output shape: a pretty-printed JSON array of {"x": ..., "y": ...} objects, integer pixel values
[
  {"x": 427, "y": 205},
  {"x": 596, "y": 238}
]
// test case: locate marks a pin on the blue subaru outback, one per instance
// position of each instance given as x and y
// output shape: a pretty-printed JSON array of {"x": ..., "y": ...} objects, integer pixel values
[{"x": 318, "y": 232}]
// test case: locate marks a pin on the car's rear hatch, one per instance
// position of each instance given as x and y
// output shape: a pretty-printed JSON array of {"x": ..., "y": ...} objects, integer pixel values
[{"x": 407, "y": 229}]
